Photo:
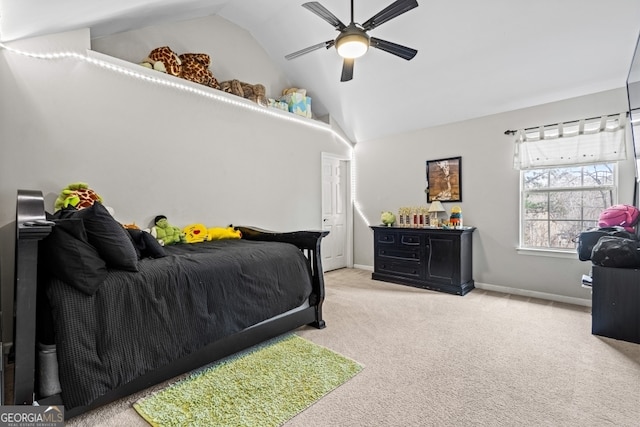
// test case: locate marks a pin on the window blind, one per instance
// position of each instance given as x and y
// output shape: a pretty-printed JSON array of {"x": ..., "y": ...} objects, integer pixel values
[{"x": 574, "y": 143}]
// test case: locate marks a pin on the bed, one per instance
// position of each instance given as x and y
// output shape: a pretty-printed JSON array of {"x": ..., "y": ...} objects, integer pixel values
[{"x": 120, "y": 329}]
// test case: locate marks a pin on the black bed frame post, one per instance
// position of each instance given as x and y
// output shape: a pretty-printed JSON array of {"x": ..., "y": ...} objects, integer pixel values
[
  {"x": 31, "y": 227},
  {"x": 318, "y": 283}
]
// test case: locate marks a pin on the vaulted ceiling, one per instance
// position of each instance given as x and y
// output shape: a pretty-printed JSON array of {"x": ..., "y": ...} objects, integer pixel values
[{"x": 475, "y": 58}]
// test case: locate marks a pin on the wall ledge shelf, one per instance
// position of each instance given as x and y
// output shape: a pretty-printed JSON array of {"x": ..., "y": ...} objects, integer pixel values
[{"x": 157, "y": 77}]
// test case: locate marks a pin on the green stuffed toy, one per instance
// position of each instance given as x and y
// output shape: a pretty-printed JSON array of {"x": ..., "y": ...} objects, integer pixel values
[
  {"x": 77, "y": 195},
  {"x": 165, "y": 233}
]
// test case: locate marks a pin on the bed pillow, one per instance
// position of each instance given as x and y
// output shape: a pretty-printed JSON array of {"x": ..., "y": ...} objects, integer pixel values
[
  {"x": 109, "y": 237},
  {"x": 146, "y": 245},
  {"x": 71, "y": 258}
]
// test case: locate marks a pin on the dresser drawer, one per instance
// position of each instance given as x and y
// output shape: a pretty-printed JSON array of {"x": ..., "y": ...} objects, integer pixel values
[
  {"x": 386, "y": 238},
  {"x": 409, "y": 240},
  {"x": 399, "y": 267},
  {"x": 404, "y": 253}
]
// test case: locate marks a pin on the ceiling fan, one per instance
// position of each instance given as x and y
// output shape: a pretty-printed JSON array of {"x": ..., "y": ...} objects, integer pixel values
[{"x": 353, "y": 40}]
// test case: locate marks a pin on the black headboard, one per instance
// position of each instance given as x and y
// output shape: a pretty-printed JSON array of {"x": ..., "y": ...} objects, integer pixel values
[{"x": 31, "y": 227}]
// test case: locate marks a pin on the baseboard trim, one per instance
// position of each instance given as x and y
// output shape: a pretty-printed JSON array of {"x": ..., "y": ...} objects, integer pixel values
[
  {"x": 534, "y": 294},
  {"x": 515, "y": 291}
]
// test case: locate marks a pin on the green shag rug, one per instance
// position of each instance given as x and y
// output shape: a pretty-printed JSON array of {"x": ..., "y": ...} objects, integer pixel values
[{"x": 263, "y": 386}]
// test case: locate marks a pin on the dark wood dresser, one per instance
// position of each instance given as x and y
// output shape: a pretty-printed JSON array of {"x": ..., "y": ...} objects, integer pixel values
[
  {"x": 429, "y": 258},
  {"x": 615, "y": 310}
]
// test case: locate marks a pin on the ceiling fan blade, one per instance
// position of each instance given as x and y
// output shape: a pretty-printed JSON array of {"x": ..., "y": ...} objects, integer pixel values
[
  {"x": 347, "y": 69},
  {"x": 395, "y": 9},
  {"x": 396, "y": 49},
  {"x": 326, "y": 44},
  {"x": 323, "y": 13}
]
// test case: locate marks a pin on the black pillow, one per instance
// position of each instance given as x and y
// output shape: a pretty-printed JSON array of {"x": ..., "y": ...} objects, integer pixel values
[
  {"x": 71, "y": 258},
  {"x": 146, "y": 244},
  {"x": 109, "y": 237}
]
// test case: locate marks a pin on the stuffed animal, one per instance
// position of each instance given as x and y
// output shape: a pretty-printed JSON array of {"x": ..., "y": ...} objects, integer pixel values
[
  {"x": 77, "y": 195},
  {"x": 297, "y": 101},
  {"x": 195, "y": 68},
  {"x": 165, "y": 60},
  {"x": 165, "y": 233},
  {"x": 219, "y": 233},
  {"x": 256, "y": 93},
  {"x": 189, "y": 66},
  {"x": 252, "y": 92},
  {"x": 195, "y": 233}
]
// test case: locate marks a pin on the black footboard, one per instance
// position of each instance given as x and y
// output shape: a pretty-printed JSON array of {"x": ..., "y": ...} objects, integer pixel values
[
  {"x": 31, "y": 227},
  {"x": 309, "y": 244}
]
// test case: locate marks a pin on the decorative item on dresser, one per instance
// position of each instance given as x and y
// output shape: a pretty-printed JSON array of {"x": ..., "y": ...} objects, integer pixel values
[
  {"x": 434, "y": 209},
  {"x": 428, "y": 258}
]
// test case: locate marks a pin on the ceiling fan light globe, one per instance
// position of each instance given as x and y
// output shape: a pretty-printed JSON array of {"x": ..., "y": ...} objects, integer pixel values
[{"x": 352, "y": 46}]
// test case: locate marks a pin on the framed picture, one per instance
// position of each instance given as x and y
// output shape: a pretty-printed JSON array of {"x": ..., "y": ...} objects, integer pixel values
[{"x": 444, "y": 177}]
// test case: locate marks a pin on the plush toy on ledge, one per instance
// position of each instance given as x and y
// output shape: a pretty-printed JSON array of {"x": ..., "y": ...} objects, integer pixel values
[
  {"x": 189, "y": 66},
  {"x": 297, "y": 101},
  {"x": 165, "y": 233},
  {"x": 252, "y": 92},
  {"x": 195, "y": 68},
  {"x": 163, "y": 59}
]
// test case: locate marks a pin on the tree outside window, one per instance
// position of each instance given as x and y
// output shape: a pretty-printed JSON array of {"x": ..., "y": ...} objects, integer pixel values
[{"x": 559, "y": 203}]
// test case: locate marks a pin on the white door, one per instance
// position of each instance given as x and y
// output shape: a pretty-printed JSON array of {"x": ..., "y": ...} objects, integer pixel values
[{"x": 334, "y": 213}]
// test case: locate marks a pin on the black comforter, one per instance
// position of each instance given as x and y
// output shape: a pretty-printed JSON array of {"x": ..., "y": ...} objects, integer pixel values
[{"x": 140, "y": 321}]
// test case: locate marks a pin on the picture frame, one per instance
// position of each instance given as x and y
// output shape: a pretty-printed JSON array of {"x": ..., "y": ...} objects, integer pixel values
[{"x": 444, "y": 180}]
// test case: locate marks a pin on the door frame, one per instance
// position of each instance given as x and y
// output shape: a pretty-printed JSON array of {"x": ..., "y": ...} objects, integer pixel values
[{"x": 348, "y": 202}]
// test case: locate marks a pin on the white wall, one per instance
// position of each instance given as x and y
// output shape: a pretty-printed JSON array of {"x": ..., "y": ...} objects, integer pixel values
[
  {"x": 391, "y": 173},
  {"x": 148, "y": 149}
]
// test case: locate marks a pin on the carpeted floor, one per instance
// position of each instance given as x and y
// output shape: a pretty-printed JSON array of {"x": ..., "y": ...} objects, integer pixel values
[{"x": 434, "y": 359}]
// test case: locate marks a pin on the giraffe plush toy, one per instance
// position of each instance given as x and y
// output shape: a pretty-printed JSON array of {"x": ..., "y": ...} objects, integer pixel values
[
  {"x": 164, "y": 59},
  {"x": 195, "y": 68},
  {"x": 189, "y": 66}
]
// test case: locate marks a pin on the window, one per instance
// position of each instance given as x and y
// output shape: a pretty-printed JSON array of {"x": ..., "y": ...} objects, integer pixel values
[
  {"x": 559, "y": 203},
  {"x": 568, "y": 176}
]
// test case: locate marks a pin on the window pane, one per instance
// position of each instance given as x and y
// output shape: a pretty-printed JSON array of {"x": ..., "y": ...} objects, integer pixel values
[
  {"x": 579, "y": 176},
  {"x": 563, "y": 233},
  {"x": 536, "y": 233},
  {"x": 597, "y": 175},
  {"x": 536, "y": 206},
  {"x": 537, "y": 178},
  {"x": 559, "y": 203},
  {"x": 577, "y": 205},
  {"x": 565, "y": 177}
]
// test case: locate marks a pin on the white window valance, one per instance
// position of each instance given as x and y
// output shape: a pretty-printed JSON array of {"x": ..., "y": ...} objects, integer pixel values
[{"x": 579, "y": 142}]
